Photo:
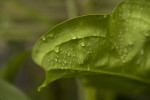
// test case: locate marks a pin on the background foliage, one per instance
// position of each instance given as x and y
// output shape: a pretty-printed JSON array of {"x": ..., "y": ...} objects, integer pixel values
[{"x": 22, "y": 22}]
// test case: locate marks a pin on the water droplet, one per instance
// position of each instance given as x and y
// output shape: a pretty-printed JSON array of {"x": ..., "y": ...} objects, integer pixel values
[
  {"x": 56, "y": 49},
  {"x": 125, "y": 50},
  {"x": 88, "y": 52},
  {"x": 123, "y": 61},
  {"x": 43, "y": 38},
  {"x": 130, "y": 43},
  {"x": 80, "y": 62},
  {"x": 105, "y": 16},
  {"x": 51, "y": 35},
  {"x": 74, "y": 55},
  {"x": 68, "y": 54},
  {"x": 82, "y": 44},
  {"x": 65, "y": 61},
  {"x": 88, "y": 68},
  {"x": 142, "y": 52},
  {"x": 123, "y": 56},
  {"x": 74, "y": 37},
  {"x": 56, "y": 59},
  {"x": 56, "y": 66}
]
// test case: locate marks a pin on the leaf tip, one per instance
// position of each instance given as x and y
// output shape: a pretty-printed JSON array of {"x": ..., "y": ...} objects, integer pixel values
[{"x": 42, "y": 86}]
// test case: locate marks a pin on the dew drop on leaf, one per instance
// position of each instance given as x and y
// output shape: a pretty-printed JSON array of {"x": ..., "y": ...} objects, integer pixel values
[
  {"x": 56, "y": 59},
  {"x": 74, "y": 37},
  {"x": 74, "y": 55},
  {"x": 142, "y": 52},
  {"x": 68, "y": 54},
  {"x": 56, "y": 49},
  {"x": 125, "y": 50},
  {"x": 82, "y": 44},
  {"x": 130, "y": 43},
  {"x": 51, "y": 35},
  {"x": 43, "y": 38},
  {"x": 65, "y": 61}
]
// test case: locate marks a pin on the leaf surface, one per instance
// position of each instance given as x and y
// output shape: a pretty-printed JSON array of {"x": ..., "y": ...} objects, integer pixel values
[{"x": 106, "y": 49}]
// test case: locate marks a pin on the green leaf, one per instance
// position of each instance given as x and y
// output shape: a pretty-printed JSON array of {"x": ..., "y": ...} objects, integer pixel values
[
  {"x": 110, "y": 51},
  {"x": 11, "y": 67},
  {"x": 8, "y": 92}
]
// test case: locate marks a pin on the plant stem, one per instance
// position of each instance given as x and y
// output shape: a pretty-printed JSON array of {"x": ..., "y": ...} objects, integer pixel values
[
  {"x": 108, "y": 95},
  {"x": 90, "y": 93},
  {"x": 85, "y": 93},
  {"x": 71, "y": 8}
]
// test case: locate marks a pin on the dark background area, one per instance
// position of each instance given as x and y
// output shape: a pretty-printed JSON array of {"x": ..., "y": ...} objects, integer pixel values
[{"x": 23, "y": 22}]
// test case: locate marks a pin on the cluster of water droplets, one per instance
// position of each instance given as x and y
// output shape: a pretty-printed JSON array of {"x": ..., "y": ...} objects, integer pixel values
[
  {"x": 121, "y": 46},
  {"x": 65, "y": 57}
]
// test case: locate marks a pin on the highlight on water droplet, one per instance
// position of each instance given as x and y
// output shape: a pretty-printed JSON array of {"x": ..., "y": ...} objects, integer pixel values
[
  {"x": 65, "y": 61},
  {"x": 56, "y": 59},
  {"x": 68, "y": 54},
  {"x": 51, "y": 35},
  {"x": 88, "y": 68},
  {"x": 125, "y": 50},
  {"x": 74, "y": 37},
  {"x": 56, "y": 49},
  {"x": 141, "y": 8},
  {"x": 73, "y": 55},
  {"x": 43, "y": 38},
  {"x": 142, "y": 52},
  {"x": 82, "y": 44},
  {"x": 130, "y": 43}
]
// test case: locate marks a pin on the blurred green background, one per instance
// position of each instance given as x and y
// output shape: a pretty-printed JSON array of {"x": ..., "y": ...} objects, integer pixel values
[{"x": 22, "y": 22}]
